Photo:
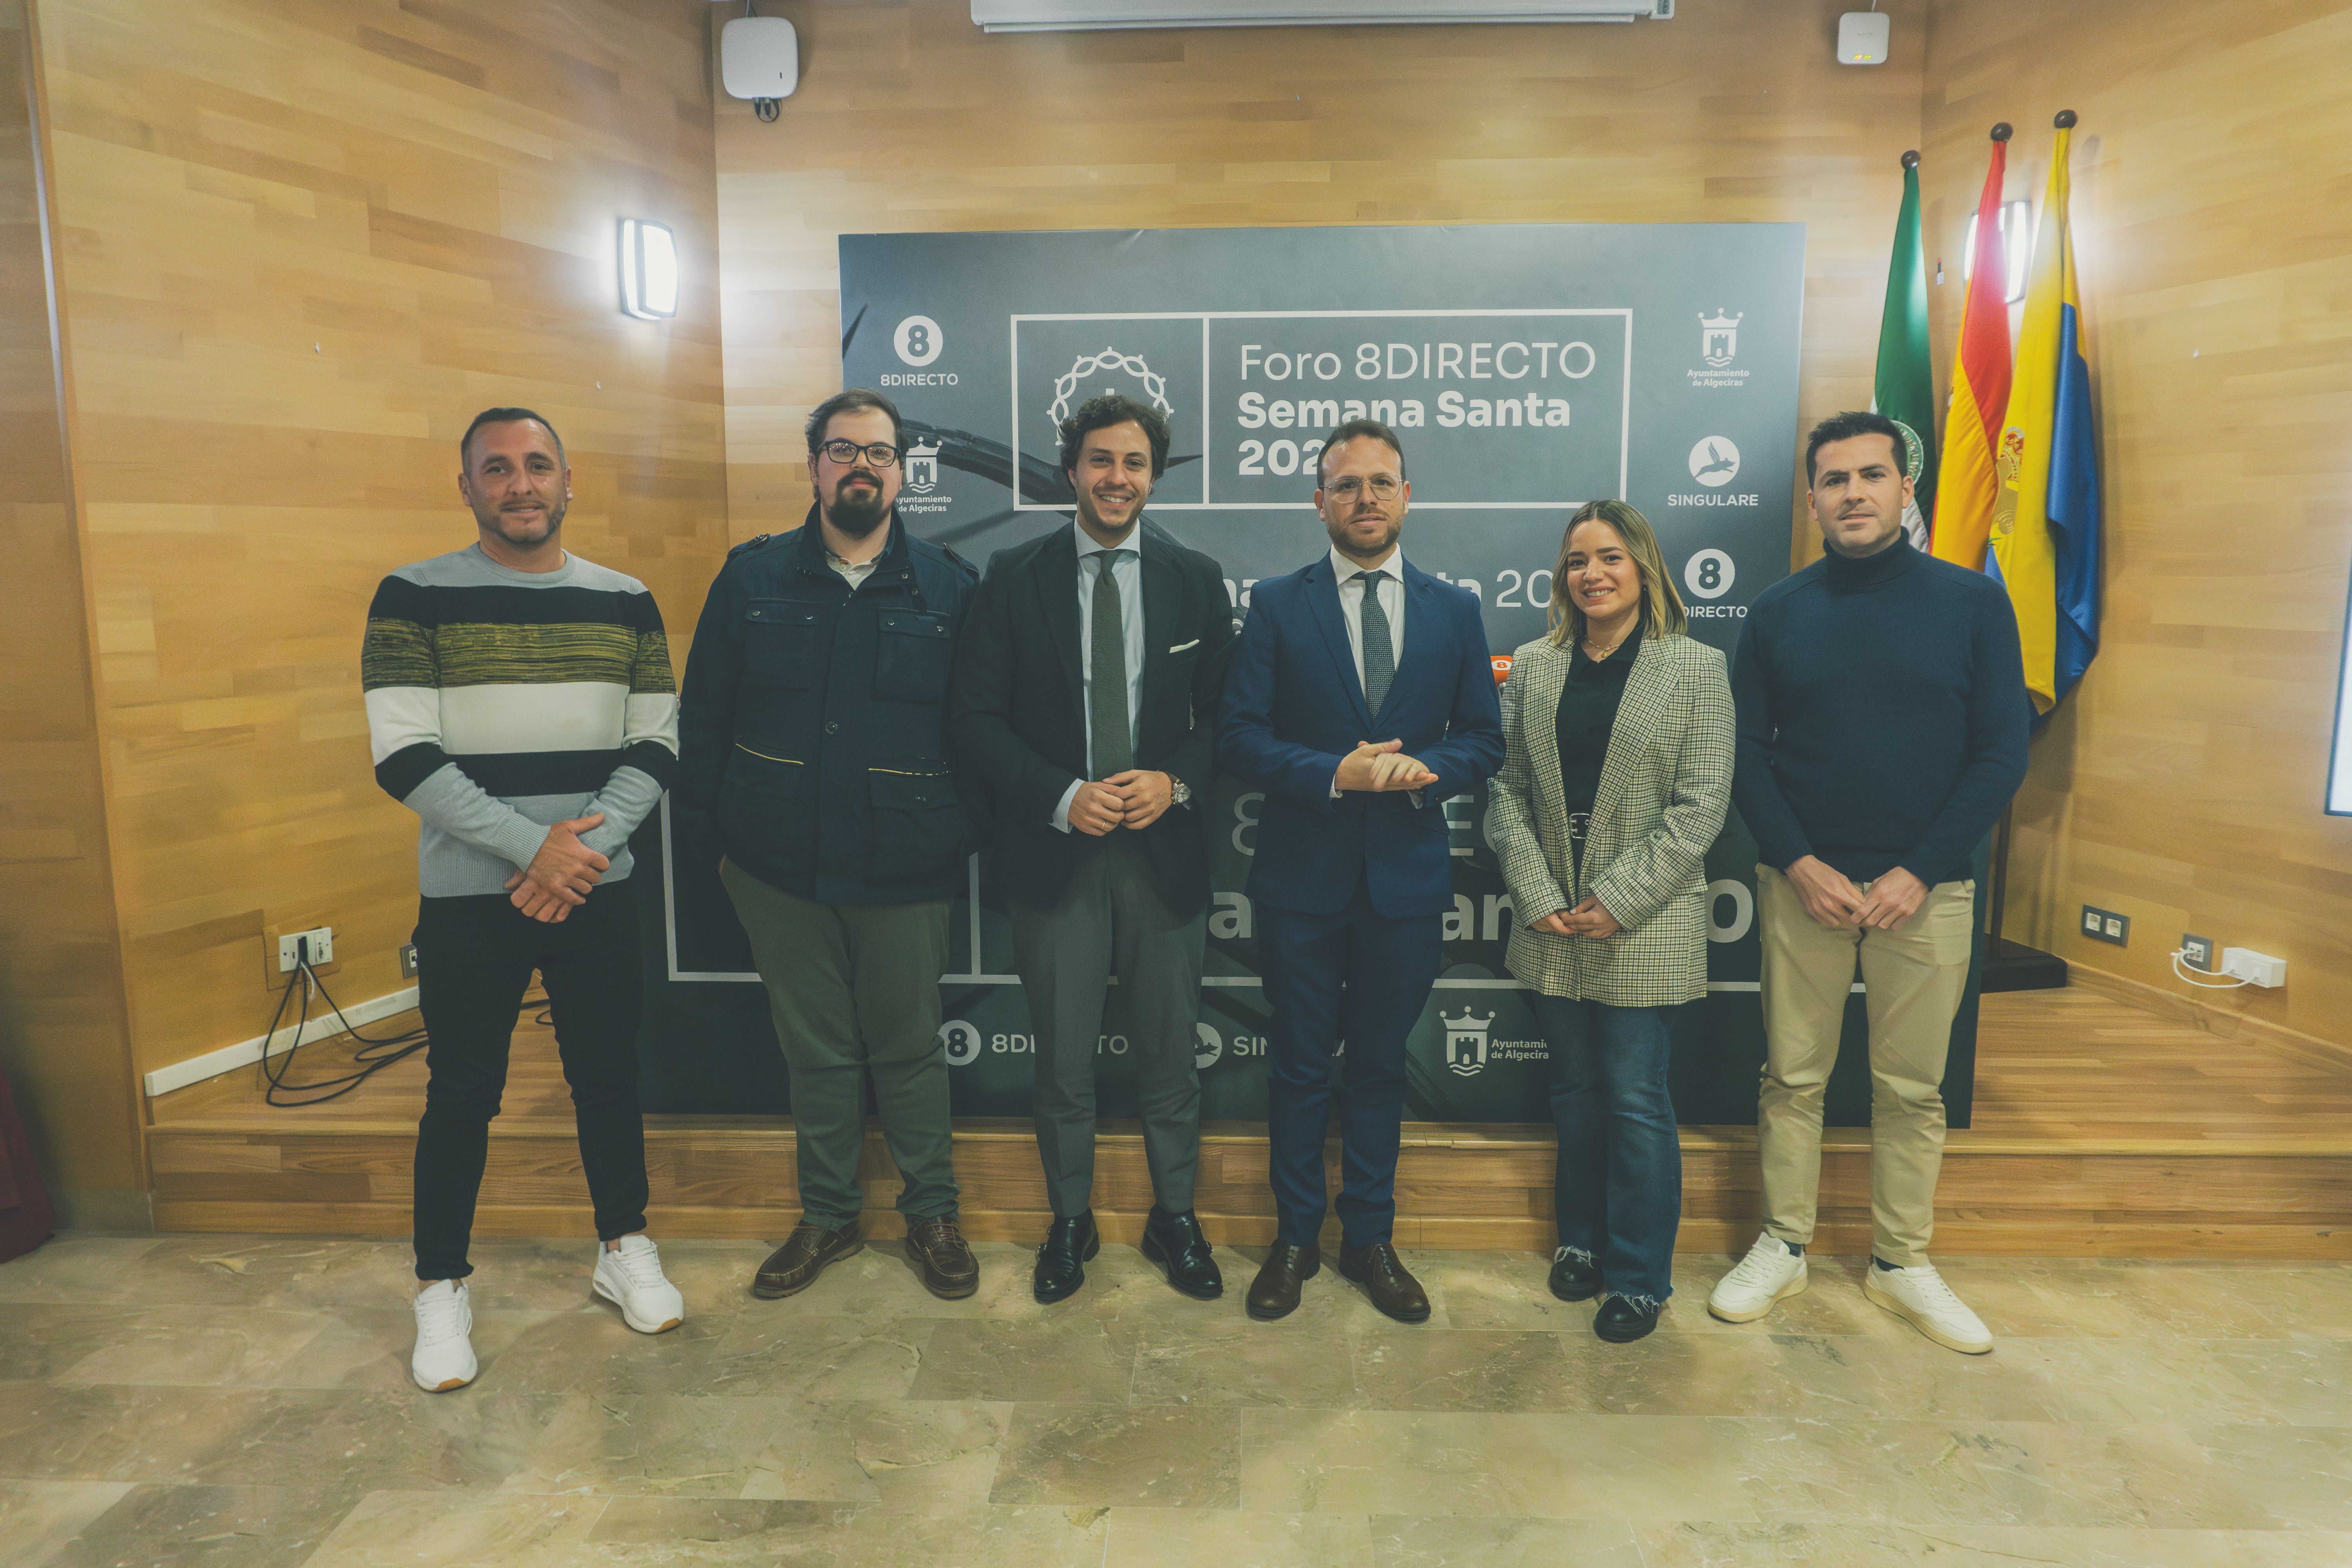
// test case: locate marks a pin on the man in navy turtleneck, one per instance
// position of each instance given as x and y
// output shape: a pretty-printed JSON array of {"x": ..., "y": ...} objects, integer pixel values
[{"x": 1882, "y": 719}]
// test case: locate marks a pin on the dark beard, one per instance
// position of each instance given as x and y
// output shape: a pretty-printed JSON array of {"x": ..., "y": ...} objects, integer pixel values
[
  {"x": 494, "y": 521},
  {"x": 856, "y": 519}
]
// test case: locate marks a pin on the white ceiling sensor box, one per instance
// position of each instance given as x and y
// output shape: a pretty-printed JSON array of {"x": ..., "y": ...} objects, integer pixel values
[
  {"x": 1862, "y": 38},
  {"x": 759, "y": 56}
]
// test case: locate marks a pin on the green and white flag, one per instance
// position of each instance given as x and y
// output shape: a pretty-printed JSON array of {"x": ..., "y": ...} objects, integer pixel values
[{"x": 1905, "y": 387}]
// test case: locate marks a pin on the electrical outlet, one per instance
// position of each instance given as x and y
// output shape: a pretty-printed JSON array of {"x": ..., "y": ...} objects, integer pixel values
[
  {"x": 2198, "y": 952},
  {"x": 408, "y": 960},
  {"x": 2105, "y": 925},
  {"x": 2254, "y": 968},
  {"x": 321, "y": 941}
]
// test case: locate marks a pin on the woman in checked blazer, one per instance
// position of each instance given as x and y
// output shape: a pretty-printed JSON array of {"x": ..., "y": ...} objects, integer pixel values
[{"x": 1617, "y": 734}]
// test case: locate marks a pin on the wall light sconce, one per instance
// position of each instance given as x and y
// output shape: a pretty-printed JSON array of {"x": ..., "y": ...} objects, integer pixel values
[
  {"x": 2016, "y": 246},
  {"x": 648, "y": 269}
]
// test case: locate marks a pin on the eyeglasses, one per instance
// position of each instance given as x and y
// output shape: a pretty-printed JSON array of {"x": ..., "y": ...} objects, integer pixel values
[
  {"x": 1383, "y": 486},
  {"x": 881, "y": 453}
]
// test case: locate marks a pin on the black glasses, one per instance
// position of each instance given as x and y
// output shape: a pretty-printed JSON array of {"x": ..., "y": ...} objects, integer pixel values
[{"x": 881, "y": 453}]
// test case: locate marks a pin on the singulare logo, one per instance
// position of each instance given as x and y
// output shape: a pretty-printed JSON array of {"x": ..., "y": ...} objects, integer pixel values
[
  {"x": 1714, "y": 461},
  {"x": 1210, "y": 1045}
]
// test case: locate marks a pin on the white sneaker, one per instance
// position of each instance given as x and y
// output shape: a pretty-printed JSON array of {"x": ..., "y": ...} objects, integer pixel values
[
  {"x": 1768, "y": 1276},
  {"x": 1920, "y": 1294},
  {"x": 630, "y": 1277},
  {"x": 443, "y": 1358}
]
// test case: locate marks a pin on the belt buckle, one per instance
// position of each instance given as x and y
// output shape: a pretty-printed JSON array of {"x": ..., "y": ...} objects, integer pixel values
[{"x": 1579, "y": 822}]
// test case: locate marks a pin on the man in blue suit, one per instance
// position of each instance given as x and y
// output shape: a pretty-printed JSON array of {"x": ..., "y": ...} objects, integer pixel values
[{"x": 1362, "y": 697}]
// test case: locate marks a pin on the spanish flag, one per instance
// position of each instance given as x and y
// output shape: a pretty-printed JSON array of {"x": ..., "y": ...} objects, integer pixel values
[
  {"x": 2046, "y": 526},
  {"x": 1967, "y": 483}
]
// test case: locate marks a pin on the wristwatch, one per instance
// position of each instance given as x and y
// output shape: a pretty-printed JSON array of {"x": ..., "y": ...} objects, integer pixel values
[{"x": 1179, "y": 792}]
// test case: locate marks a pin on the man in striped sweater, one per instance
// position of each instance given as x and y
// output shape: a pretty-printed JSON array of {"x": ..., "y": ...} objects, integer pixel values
[{"x": 519, "y": 701}]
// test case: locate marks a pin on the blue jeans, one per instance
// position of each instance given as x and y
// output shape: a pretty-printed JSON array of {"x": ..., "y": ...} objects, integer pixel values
[{"x": 1619, "y": 1191}]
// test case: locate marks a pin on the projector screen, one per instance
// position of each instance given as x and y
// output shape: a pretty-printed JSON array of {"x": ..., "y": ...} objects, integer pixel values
[{"x": 2339, "y": 754}]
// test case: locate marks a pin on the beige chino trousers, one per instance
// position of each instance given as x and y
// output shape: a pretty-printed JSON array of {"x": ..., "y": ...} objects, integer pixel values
[{"x": 1912, "y": 977}]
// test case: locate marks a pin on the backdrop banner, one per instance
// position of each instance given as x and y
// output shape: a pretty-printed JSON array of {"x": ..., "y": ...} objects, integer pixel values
[{"x": 1526, "y": 369}]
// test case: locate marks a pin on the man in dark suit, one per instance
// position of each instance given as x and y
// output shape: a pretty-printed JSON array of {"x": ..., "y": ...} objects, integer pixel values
[
  {"x": 1361, "y": 698},
  {"x": 1086, "y": 697}
]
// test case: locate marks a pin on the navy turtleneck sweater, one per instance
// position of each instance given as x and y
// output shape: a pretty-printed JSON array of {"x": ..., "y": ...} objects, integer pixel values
[{"x": 1883, "y": 714}]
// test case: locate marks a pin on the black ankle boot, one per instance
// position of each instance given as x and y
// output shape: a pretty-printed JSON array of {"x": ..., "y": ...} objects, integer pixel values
[
  {"x": 1574, "y": 1277},
  {"x": 1624, "y": 1318}
]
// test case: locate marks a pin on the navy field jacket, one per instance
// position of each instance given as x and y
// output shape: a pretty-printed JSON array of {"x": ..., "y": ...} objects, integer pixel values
[{"x": 812, "y": 747}]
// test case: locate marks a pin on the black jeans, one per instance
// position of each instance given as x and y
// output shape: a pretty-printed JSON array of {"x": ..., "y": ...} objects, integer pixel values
[{"x": 473, "y": 960}]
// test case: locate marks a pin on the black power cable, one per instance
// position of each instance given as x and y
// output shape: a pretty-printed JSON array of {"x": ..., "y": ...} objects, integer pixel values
[{"x": 373, "y": 1056}]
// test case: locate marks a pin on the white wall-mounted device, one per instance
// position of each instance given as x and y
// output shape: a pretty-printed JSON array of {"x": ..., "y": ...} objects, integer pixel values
[
  {"x": 760, "y": 59},
  {"x": 1862, "y": 38}
]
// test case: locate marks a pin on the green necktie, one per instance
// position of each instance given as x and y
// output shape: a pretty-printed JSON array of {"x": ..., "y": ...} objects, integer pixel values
[
  {"x": 1380, "y": 653},
  {"x": 1114, "y": 750}
]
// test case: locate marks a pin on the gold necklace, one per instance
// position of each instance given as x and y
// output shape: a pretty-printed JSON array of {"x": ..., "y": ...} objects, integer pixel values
[{"x": 1596, "y": 657}]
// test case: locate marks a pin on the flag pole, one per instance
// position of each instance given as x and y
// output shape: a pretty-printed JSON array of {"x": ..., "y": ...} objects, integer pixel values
[{"x": 2009, "y": 964}]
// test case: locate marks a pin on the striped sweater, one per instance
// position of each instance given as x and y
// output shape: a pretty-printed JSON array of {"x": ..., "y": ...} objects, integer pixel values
[{"x": 500, "y": 702}]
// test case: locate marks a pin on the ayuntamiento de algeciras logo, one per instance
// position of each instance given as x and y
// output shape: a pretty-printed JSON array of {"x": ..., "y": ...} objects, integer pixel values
[{"x": 1719, "y": 345}]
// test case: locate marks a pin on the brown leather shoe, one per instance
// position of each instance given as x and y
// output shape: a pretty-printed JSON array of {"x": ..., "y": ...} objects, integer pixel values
[
  {"x": 949, "y": 1270},
  {"x": 793, "y": 1267},
  {"x": 1386, "y": 1280},
  {"x": 1274, "y": 1292}
]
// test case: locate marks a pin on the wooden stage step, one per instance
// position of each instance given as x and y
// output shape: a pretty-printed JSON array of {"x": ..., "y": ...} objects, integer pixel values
[{"x": 2102, "y": 1130}]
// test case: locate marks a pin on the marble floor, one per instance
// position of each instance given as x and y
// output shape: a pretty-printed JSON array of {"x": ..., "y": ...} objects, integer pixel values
[{"x": 227, "y": 1400}]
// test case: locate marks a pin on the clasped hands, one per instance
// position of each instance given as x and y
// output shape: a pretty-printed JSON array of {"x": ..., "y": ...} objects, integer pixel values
[
  {"x": 1836, "y": 904},
  {"x": 1588, "y": 919},
  {"x": 560, "y": 875},
  {"x": 1135, "y": 798},
  {"x": 1380, "y": 765}
]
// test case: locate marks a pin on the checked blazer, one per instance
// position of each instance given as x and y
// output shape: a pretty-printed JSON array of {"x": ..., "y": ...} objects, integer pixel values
[{"x": 1664, "y": 786}]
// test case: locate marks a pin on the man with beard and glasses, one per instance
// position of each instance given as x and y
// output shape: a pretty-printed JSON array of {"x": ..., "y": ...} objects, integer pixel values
[
  {"x": 1085, "y": 695},
  {"x": 815, "y": 773},
  {"x": 1362, "y": 698},
  {"x": 519, "y": 699},
  {"x": 1883, "y": 721}
]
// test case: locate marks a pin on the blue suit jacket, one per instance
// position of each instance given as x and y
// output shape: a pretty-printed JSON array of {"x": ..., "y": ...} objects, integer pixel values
[{"x": 1295, "y": 707}]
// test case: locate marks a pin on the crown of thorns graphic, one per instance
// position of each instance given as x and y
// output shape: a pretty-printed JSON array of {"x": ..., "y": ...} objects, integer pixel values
[{"x": 1155, "y": 385}]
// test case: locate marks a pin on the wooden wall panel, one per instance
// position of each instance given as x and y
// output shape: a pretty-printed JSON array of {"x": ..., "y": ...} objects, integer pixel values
[
  {"x": 908, "y": 118},
  {"x": 2181, "y": 783},
  {"x": 64, "y": 1041},
  {"x": 303, "y": 241}
]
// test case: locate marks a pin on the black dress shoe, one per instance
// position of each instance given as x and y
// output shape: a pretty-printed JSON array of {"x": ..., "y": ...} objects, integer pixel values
[
  {"x": 1274, "y": 1292},
  {"x": 1574, "y": 1279},
  {"x": 1174, "y": 1242},
  {"x": 1623, "y": 1320},
  {"x": 1068, "y": 1244}
]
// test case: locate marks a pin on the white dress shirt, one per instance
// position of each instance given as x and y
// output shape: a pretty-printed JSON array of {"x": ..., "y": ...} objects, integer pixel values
[
  {"x": 1386, "y": 577},
  {"x": 1128, "y": 573}
]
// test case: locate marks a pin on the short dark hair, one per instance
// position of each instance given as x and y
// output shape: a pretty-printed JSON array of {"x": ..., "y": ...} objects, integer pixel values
[
  {"x": 504, "y": 416},
  {"x": 850, "y": 401},
  {"x": 1102, "y": 413},
  {"x": 1349, "y": 432},
  {"x": 1855, "y": 422}
]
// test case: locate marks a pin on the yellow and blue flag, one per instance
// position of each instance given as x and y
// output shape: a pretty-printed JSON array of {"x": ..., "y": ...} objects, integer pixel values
[{"x": 2045, "y": 523}]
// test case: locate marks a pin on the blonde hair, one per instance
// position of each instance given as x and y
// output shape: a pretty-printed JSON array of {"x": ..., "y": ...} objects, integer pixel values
[{"x": 1661, "y": 607}]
